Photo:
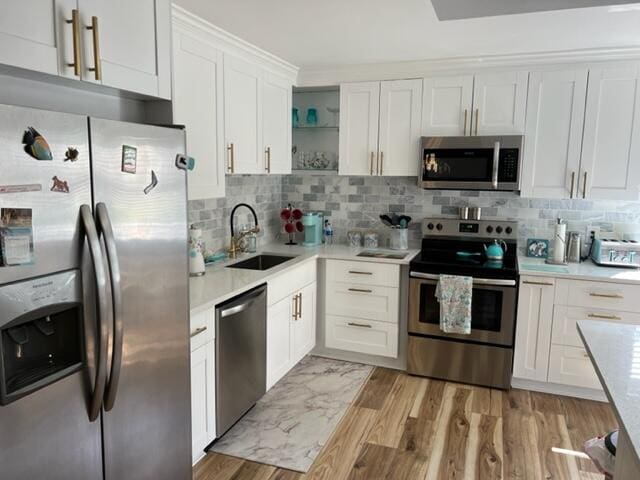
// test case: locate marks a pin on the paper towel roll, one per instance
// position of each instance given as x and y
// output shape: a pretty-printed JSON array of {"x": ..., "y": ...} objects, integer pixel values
[{"x": 559, "y": 242}]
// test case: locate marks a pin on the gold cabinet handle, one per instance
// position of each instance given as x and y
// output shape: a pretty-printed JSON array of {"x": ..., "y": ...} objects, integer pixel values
[
  {"x": 371, "y": 169},
  {"x": 231, "y": 158},
  {"x": 464, "y": 129},
  {"x": 477, "y": 113},
  {"x": 606, "y": 295},
  {"x": 360, "y": 325},
  {"x": 295, "y": 307},
  {"x": 300, "y": 305},
  {"x": 357, "y": 272},
  {"x": 573, "y": 182},
  {"x": 75, "y": 24},
  {"x": 360, "y": 290},
  {"x": 381, "y": 162},
  {"x": 198, "y": 331},
  {"x": 268, "y": 154},
  {"x": 605, "y": 317},
  {"x": 585, "y": 354},
  {"x": 584, "y": 186},
  {"x": 531, "y": 282},
  {"x": 97, "y": 69}
]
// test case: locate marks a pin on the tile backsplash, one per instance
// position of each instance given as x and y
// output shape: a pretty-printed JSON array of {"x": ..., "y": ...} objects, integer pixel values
[{"x": 356, "y": 202}]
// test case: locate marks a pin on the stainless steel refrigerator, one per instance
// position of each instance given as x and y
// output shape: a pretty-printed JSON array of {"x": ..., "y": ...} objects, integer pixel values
[{"x": 94, "y": 350}]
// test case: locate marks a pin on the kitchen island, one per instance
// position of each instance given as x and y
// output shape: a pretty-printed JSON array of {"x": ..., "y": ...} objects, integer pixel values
[{"x": 614, "y": 350}]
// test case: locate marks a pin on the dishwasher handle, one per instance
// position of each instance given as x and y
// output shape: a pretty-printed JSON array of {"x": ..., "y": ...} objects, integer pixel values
[{"x": 247, "y": 302}]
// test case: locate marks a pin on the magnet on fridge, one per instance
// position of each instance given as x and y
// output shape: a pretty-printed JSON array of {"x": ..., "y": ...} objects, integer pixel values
[
  {"x": 35, "y": 145},
  {"x": 16, "y": 237},
  {"x": 71, "y": 155},
  {"x": 152, "y": 185},
  {"x": 129, "y": 159},
  {"x": 183, "y": 162},
  {"x": 58, "y": 185}
]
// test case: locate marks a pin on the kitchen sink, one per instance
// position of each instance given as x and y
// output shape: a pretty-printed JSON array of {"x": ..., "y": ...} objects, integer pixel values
[{"x": 262, "y": 262}]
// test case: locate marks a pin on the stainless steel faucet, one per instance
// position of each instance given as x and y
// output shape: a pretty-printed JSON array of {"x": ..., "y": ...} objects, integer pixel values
[{"x": 236, "y": 246}]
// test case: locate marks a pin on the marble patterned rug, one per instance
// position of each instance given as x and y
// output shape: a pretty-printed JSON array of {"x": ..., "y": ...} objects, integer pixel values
[{"x": 293, "y": 421}]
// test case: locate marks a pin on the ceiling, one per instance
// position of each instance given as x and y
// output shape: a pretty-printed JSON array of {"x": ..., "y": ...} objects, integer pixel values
[{"x": 322, "y": 33}]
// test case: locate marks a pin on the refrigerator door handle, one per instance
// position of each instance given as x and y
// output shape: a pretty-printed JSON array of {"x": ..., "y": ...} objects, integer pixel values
[
  {"x": 101, "y": 291},
  {"x": 105, "y": 228}
]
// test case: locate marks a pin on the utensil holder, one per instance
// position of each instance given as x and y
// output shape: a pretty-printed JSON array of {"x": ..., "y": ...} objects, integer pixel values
[{"x": 399, "y": 239}]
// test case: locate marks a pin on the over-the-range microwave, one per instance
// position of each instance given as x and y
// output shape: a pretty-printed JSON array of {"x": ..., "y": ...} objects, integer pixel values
[{"x": 471, "y": 163}]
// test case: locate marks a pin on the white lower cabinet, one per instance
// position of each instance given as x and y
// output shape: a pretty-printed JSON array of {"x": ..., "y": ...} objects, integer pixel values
[
  {"x": 572, "y": 366},
  {"x": 362, "y": 336},
  {"x": 279, "y": 356}
]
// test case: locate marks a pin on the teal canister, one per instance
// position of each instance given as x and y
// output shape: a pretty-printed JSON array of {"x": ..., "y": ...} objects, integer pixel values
[{"x": 313, "y": 224}]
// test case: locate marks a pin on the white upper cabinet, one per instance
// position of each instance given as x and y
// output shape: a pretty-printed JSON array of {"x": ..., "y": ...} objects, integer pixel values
[
  {"x": 242, "y": 114},
  {"x": 380, "y": 125},
  {"x": 447, "y": 105},
  {"x": 198, "y": 104},
  {"x": 359, "y": 112},
  {"x": 499, "y": 102},
  {"x": 610, "y": 166},
  {"x": 276, "y": 124},
  {"x": 400, "y": 127},
  {"x": 555, "y": 116}
]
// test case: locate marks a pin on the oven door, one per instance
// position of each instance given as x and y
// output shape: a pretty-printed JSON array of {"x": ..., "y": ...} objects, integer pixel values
[{"x": 493, "y": 309}]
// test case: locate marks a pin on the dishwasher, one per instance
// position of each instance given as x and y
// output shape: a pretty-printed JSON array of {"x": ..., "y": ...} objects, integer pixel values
[{"x": 241, "y": 356}]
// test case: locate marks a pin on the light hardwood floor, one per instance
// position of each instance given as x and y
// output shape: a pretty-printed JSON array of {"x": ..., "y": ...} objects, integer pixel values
[{"x": 404, "y": 427}]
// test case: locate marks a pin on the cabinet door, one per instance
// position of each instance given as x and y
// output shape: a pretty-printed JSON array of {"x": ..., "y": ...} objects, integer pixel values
[
  {"x": 359, "y": 112},
  {"x": 303, "y": 328},
  {"x": 446, "y": 106},
  {"x": 132, "y": 45},
  {"x": 279, "y": 355},
  {"x": 242, "y": 116},
  {"x": 34, "y": 35},
  {"x": 611, "y": 144},
  {"x": 203, "y": 406},
  {"x": 499, "y": 102},
  {"x": 198, "y": 104},
  {"x": 555, "y": 117},
  {"x": 400, "y": 127},
  {"x": 533, "y": 328},
  {"x": 276, "y": 124}
]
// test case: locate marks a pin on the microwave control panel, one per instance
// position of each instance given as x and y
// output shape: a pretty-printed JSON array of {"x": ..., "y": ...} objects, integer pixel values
[{"x": 508, "y": 167}]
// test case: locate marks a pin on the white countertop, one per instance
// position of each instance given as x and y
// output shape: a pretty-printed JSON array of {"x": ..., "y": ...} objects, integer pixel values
[
  {"x": 614, "y": 350},
  {"x": 586, "y": 270},
  {"x": 220, "y": 283}
]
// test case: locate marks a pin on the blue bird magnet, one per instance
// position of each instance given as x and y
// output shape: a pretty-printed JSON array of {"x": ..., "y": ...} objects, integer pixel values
[{"x": 35, "y": 145}]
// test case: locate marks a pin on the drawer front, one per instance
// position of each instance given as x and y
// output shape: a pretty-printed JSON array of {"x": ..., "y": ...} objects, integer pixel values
[
  {"x": 565, "y": 330},
  {"x": 202, "y": 328},
  {"x": 291, "y": 281},
  {"x": 362, "y": 336},
  {"x": 571, "y": 366},
  {"x": 362, "y": 301},
  {"x": 609, "y": 296},
  {"x": 363, "y": 273}
]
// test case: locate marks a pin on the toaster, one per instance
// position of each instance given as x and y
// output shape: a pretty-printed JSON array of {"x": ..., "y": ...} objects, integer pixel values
[{"x": 616, "y": 253}]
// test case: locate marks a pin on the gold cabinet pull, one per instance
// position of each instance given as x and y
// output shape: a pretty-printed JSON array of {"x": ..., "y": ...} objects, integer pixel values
[
  {"x": 605, "y": 317},
  {"x": 477, "y": 113},
  {"x": 531, "y": 282},
  {"x": 231, "y": 158},
  {"x": 360, "y": 325},
  {"x": 357, "y": 272},
  {"x": 295, "y": 307},
  {"x": 268, "y": 154},
  {"x": 606, "y": 295},
  {"x": 360, "y": 290},
  {"x": 573, "y": 182},
  {"x": 75, "y": 24},
  {"x": 371, "y": 169},
  {"x": 584, "y": 186},
  {"x": 198, "y": 331},
  {"x": 300, "y": 305},
  {"x": 464, "y": 129},
  {"x": 381, "y": 162},
  {"x": 97, "y": 69}
]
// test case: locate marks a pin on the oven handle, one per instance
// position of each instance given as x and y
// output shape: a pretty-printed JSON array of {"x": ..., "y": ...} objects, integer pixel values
[
  {"x": 496, "y": 163},
  {"x": 493, "y": 282}
]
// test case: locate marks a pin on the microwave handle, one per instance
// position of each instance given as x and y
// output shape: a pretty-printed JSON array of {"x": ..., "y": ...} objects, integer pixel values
[{"x": 496, "y": 164}]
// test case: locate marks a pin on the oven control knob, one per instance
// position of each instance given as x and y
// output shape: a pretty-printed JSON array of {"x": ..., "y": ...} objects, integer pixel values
[
  {"x": 430, "y": 226},
  {"x": 439, "y": 226},
  {"x": 498, "y": 229},
  {"x": 489, "y": 229},
  {"x": 509, "y": 230}
]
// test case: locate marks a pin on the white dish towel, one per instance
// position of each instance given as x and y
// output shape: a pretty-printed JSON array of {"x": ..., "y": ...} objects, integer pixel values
[{"x": 454, "y": 294}]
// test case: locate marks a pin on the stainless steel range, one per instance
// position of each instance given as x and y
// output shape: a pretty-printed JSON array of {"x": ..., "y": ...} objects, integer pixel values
[{"x": 456, "y": 247}]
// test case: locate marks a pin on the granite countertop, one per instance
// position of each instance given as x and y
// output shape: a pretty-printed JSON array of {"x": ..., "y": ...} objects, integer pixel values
[
  {"x": 586, "y": 270},
  {"x": 220, "y": 283},
  {"x": 614, "y": 350}
]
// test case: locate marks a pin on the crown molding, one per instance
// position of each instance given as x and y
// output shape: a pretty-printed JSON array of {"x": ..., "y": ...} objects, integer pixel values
[
  {"x": 229, "y": 43},
  {"x": 335, "y": 75}
]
